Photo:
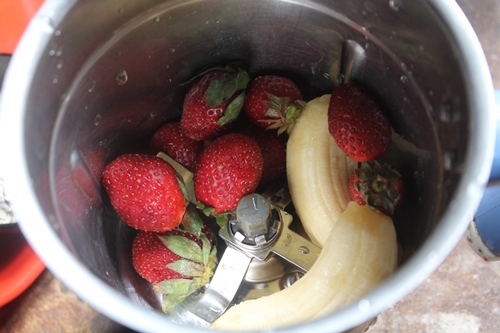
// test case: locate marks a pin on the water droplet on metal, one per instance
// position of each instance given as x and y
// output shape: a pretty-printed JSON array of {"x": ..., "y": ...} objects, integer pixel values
[
  {"x": 92, "y": 86},
  {"x": 157, "y": 19},
  {"x": 172, "y": 50},
  {"x": 57, "y": 33},
  {"x": 97, "y": 119},
  {"x": 55, "y": 80},
  {"x": 450, "y": 160},
  {"x": 395, "y": 5},
  {"x": 52, "y": 53},
  {"x": 59, "y": 66},
  {"x": 404, "y": 78},
  {"x": 121, "y": 77},
  {"x": 450, "y": 111}
]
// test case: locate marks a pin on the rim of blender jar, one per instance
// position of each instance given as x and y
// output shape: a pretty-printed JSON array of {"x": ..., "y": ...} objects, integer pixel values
[{"x": 118, "y": 307}]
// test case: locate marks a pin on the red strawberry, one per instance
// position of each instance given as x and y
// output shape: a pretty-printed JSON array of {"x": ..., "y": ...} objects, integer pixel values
[
  {"x": 145, "y": 192},
  {"x": 213, "y": 102},
  {"x": 176, "y": 262},
  {"x": 273, "y": 101},
  {"x": 358, "y": 124},
  {"x": 380, "y": 186},
  {"x": 273, "y": 149},
  {"x": 172, "y": 140},
  {"x": 229, "y": 168}
]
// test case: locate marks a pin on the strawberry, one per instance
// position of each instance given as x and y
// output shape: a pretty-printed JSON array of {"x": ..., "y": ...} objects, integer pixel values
[
  {"x": 273, "y": 102},
  {"x": 229, "y": 168},
  {"x": 213, "y": 102},
  {"x": 172, "y": 140},
  {"x": 380, "y": 186},
  {"x": 358, "y": 124},
  {"x": 177, "y": 262},
  {"x": 273, "y": 149},
  {"x": 145, "y": 192}
]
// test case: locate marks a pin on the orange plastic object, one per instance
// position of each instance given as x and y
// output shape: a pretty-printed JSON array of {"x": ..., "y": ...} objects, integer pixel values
[
  {"x": 14, "y": 18},
  {"x": 19, "y": 265}
]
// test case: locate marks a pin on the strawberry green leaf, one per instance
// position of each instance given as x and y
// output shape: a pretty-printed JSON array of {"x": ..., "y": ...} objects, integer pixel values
[
  {"x": 233, "y": 110},
  {"x": 212, "y": 262},
  {"x": 221, "y": 220},
  {"x": 183, "y": 187},
  {"x": 192, "y": 221},
  {"x": 183, "y": 247},
  {"x": 187, "y": 267},
  {"x": 242, "y": 79},
  {"x": 178, "y": 286},
  {"x": 170, "y": 301},
  {"x": 206, "y": 249},
  {"x": 220, "y": 89},
  {"x": 225, "y": 86},
  {"x": 236, "y": 66},
  {"x": 207, "y": 210}
]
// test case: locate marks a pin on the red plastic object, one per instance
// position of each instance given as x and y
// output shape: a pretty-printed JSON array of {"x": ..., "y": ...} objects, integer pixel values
[
  {"x": 14, "y": 17},
  {"x": 19, "y": 265}
]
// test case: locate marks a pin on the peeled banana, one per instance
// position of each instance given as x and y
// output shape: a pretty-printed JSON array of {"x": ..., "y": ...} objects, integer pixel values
[
  {"x": 360, "y": 252},
  {"x": 318, "y": 171}
]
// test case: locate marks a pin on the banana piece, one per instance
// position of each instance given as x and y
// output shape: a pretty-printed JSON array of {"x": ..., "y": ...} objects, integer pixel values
[
  {"x": 360, "y": 252},
  {"x": 318, "y": 171}
]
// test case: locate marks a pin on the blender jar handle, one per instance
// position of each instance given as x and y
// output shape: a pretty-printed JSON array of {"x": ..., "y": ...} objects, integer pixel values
[{"x": 483, "y": 234}]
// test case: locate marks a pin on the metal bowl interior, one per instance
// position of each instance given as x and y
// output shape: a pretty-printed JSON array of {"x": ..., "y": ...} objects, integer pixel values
[{"x": 94, "y": 91}]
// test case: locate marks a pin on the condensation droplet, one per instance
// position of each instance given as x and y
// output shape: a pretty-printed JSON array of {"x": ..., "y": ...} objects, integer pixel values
[
  {"x": 449, "y": 111},
  {"x": 450, "y": 160},
  {"x": 395, "y": 5},
  {"x": 217, "y": 21},
  {"x": 404, "y": 78},
  {"x": 157, "y": 19},
  {"x": 121, "y": 77},
  {"x": 97, "y": 120},
  {"x": 92, "y": 86},
  {"x": 55, "y": 80},
  {"x": 59, "y": 66},
  {"x": 172, "y": 50},
  {"x": 52, "y": 53},
  {"x": 57, "y": 33}
]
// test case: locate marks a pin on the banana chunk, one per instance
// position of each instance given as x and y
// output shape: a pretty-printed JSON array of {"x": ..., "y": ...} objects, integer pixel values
[
  {"x": 318, "y": 171},
  {"x": 360, "y": 252}
]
